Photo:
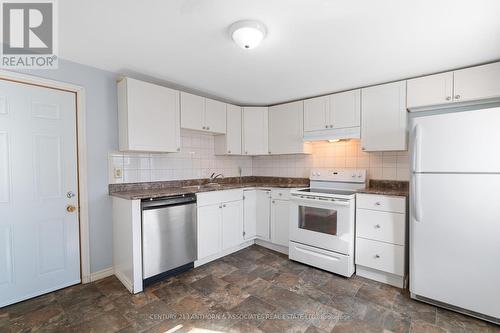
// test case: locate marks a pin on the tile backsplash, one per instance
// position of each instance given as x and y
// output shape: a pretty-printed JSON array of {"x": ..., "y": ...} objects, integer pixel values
[
  {"x": 195, "y": 160},
  {"x": 198, "y": 160},
  {"x": 343, "y": 154}
]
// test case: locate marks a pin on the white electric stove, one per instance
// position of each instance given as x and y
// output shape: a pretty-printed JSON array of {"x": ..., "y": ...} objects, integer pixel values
[{"x": 322, "y": 220}]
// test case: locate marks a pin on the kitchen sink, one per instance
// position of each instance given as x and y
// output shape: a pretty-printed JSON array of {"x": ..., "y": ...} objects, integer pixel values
[{"x": 204, "y": 186}]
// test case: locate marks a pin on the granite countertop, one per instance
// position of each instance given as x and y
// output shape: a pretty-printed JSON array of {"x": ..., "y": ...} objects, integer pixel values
[
  {"x": 138, "y": 191},
  {"x": 387, "y": 187}
]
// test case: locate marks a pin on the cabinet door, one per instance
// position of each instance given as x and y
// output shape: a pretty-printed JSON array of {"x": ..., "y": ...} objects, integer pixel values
[
  {"x": 232, "y": 224},
  {"x": 430, "y": 90},
  {"x": 263, "y": 214},
  {"x": 255, "y": 130},
  {"x": 286, "y": 128},
  {"x": 345, "y": 109},
  {"x": 192, "y": 110},
  {"x": 316, "y": 113},
  {"x": 209, "y": 230},
  {"x": 250, "y": 214},
  {"x": 383, "y": 114},
  {"x": 280, "y": 220},
  {"x": 148, "y": 117},
  {"x": 233, "y": 131},
  {"x": 215, "y": 116},
  {"x": 481, "y": 82}
]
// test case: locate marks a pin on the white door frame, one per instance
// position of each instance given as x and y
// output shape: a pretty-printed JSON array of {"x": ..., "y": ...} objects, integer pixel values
[{"x": 83, "y": 216}]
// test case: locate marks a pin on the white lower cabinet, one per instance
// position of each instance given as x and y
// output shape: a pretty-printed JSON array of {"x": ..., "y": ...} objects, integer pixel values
[
  {"x": 220, "y": 222},
  {"x": 209, "y": 230},
  {"x": 249, "y": 214},
  {"x": 381, "y": 238},
  {"x": 263, "y": 224},
  {"x": 280, "y": 219},
  {"x": 232, "y": 224}
]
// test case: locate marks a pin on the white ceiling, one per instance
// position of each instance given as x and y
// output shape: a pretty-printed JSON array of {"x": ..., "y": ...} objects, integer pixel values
[{"x": 313, "y": 47}]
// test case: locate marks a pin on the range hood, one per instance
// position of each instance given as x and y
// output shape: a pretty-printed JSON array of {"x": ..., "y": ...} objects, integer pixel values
[{"x": 333, "y": 134}]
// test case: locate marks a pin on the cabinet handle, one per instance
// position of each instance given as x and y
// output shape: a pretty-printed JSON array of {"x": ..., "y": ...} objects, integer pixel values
[
  {"x": 269, "y": 152},
  {"x": 208, "y": 127},
  {"x": 363, "y": 148},
  {"x": 178, "y": 149},
  {"x": 377, "y": 203},
  {"x": 246, "y": 152},
  {"x": 229, "y": 152},
  {"x": 274, "y": 201},
  {"x": 224, "y": 206},
  {"x": 326, "y": 126},
  {"x": 220, "y": 206},
  {"x": 457, "y": 96},
  {"x": 377, "y": 256},
  {"x": 203, "y": 127},
  {"x": 377, "y": 226},
  {"x": 448, "y": 98},
  {"x": 331, "y": 126},
  {"x": 280, "y": 194}
]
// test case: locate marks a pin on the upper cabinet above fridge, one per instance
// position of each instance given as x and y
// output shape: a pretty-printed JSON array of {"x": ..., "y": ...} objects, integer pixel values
[{"x": 474, "y": 85}]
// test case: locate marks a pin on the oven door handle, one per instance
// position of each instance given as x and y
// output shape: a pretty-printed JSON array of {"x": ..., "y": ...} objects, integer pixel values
[{"x": 336, "y": 202}]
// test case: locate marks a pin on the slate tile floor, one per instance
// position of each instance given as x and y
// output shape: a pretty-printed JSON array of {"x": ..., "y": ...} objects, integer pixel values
[{"x": 253, "y": 290}]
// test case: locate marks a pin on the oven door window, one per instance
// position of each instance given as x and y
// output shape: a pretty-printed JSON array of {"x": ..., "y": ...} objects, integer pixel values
[{"x": 318, "y": 219}]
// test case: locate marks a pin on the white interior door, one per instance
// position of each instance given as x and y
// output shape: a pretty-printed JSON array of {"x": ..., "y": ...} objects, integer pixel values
[
  {"x": 454, "y": 240},
  {"x": 456, "y": 142},
  {"x": 39, "y": 238}
]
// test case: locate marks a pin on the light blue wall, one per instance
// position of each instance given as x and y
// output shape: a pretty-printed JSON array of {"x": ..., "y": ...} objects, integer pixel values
[{"x": 102, "y": 137}]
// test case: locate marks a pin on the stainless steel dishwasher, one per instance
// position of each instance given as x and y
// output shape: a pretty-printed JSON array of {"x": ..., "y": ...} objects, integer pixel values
[{"x": 169, "y": 243}]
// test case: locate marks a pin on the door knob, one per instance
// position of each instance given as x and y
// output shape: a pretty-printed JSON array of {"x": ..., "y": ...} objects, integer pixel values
[
  {"x": 70, "y": 208},
  {"x": 70, "y": 195}
]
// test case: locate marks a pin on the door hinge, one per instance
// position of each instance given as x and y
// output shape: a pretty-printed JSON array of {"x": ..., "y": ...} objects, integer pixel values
[{"x": 244, "y": 233}]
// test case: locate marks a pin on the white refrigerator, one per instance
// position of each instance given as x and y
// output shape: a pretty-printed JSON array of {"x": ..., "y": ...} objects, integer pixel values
[{"x": 455, "y": 210}]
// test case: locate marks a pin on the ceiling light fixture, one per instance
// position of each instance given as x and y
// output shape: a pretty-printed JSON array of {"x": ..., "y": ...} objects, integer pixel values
[{"x": 247, "y": 34}]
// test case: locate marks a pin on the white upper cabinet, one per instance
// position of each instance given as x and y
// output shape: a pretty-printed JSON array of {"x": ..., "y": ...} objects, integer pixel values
[
  {"x": 230, "y": 144},
  {"x": 383, "y": 114},
  {"x": 430, "y": 90},
  {"x": 477, "y": 83},
  {"x": 334, "y": 116},
  {"x": 345, "y": 109},
  {"x": 316, "y": 113},
  {"x": 148, "y": 117},
  {"x": 215, "y": 116},
  {"x": 467, "y": 86},
  {"x": 202, "y": 114},
  {"x": 192, "y": 111},
  {"x": 255, "y": 131},
  {"x": 286, "y": 129}
]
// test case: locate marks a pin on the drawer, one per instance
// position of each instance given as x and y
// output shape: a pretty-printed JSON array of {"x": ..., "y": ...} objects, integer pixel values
[
  {"x": 280, "y": 193},
  {"x": 381, "y": 202},
  {"x": 382, "y": 226},
  {"x": 382, "y": 256},
  {"x": 215, "y": 197}
]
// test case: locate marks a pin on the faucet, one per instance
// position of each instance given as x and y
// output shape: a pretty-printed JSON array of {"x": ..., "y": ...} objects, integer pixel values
[{"x": 214, "y": 176}]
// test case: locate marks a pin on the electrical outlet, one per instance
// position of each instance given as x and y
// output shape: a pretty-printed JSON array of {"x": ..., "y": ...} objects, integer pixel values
[{"x": 118, "y": 174}]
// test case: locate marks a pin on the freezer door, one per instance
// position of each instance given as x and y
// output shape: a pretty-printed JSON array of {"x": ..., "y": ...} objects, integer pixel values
[
  {"x": 455, "y": 240},
  {"x": 456, "y": 142}
]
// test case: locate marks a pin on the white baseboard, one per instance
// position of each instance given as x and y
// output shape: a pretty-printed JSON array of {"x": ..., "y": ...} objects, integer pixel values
[
  {"x": 104, "y": 273},
  {"x": 271, "y": 246},
  {"x": 384, "y": 277},
  {"x": 224, "y": 253},
  {"x": 125, "y": 281}
]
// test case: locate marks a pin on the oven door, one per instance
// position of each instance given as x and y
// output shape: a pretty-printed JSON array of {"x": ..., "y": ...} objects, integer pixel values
[{"x": 323, "y": 222}]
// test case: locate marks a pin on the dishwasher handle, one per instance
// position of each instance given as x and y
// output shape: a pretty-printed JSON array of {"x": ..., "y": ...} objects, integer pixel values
[{"x": 183, "y": 199}]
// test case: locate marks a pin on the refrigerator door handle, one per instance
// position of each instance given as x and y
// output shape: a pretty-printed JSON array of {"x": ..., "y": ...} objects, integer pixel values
[
  {"x": 416, "y": 148},
  {"x": 417, "y": 213}
]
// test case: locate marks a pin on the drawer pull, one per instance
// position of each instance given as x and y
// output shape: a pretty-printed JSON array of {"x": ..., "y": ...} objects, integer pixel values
[
  {"x": 377, "y": 256},
  {"x": 377, "y": 203},
  {"x": 377, "y": 226}
]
